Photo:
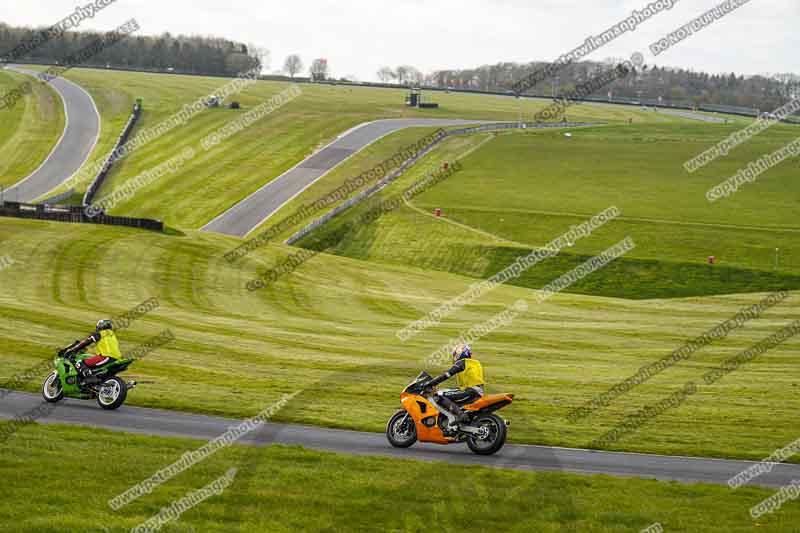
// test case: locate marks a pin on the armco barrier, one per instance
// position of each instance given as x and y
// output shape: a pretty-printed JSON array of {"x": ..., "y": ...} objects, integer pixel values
[
  {"x": 363, "y": 195},
  {"x": 74, "y": 214},
  {"x": 94, "y": 188}
]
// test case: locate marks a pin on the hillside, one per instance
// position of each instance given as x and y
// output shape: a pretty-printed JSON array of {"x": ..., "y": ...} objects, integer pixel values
[
  {"x": 521, "y": 190},
  {"x": 329, "y": 328}
]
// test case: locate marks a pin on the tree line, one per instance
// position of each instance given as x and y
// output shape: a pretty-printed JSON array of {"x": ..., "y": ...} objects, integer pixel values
[
  {"x": 674, "y": 85},
  {"x": 165, "y": 52}
]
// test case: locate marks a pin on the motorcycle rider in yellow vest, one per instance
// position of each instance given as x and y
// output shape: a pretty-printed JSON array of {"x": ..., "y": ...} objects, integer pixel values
[
  {"x": 107, "y": 348},
  {"x": 469, "y": 374}
]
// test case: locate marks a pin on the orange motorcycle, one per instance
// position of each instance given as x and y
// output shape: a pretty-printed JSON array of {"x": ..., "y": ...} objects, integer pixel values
[{"x": 421, "y": 418}]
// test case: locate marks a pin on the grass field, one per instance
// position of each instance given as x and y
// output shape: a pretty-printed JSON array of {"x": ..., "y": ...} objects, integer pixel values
[
  {"x": 213, "y": 181},
  {"x": 29, "y": 130},
  {"x": 271, "y": 492},
  {"x": 329, "y": 329},
  {"x": 521, "y": 190}
]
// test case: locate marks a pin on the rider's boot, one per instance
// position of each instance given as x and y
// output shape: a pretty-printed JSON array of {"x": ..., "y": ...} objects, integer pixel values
[
  {"x": 457, "y": 415},
  {"x": 84, "y": 371}
]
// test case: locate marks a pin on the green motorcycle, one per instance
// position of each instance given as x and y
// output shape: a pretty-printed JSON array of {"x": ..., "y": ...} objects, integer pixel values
[{"x": 103, "y": 384}]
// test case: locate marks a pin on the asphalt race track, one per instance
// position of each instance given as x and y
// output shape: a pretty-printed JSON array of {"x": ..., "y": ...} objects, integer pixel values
[
  {"x": 73, "y": 149},
  {"x": 694, "y": 116},
  {"x": 248, "y": 214},
  {"x": 520, "y": 457}
]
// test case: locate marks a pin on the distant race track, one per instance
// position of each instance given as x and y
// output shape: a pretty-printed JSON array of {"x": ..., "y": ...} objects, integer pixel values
[
  {"x": 80, "y": 136},
  {"x": 248, "y": 214}
]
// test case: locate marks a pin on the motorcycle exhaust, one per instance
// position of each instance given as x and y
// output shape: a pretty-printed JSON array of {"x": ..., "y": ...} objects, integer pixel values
[{"x": 131, "y": 385}]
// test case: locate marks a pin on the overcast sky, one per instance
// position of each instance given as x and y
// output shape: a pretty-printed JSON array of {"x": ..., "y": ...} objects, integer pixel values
[{"x": 359, "y": 36}]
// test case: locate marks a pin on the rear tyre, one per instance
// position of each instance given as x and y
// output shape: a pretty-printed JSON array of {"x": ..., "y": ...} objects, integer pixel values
[
  {"x": 494, "y": 429},
  {"x": 52, "y": 392},
  {"x": 112, "y": 393},
  {"x": 401, "y": 430}
]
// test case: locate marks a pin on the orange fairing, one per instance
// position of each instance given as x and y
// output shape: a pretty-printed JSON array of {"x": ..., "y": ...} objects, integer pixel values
[
  {"x": 413, "y": 403},
  {"x": 496, "y": 401}
]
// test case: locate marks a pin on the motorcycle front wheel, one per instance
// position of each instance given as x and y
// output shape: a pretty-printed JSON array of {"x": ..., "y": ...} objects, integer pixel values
[
  {"x": 494, "y": 435},
  {"x": 401, "y": 430},
  {"x": 52, "y": 391}
]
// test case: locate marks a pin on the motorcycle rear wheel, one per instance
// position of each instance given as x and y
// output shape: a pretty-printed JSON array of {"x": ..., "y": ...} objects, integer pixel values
[
  {"x": 495, "y": 438},
  {"x": 52, "y": 392},
  {"x": 401, "y": 430},
  {"x": 112, "y": 393}
]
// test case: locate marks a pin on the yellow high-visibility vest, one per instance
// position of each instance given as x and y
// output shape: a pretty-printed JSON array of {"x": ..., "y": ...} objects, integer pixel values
[
  {"x": 108, "y": 345},
  {"x": 471, "y": 376}
]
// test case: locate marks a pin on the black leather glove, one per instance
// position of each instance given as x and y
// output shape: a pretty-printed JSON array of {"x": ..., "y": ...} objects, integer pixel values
[{"x": 69, "y": 350}]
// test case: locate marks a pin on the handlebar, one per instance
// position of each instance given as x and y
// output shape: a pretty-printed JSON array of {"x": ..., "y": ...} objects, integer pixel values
[{"x": 418, "y": 388}]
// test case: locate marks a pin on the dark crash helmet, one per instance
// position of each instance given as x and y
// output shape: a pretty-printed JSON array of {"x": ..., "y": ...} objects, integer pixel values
[
  {"x": 104, "y": 324},
  {"x": 461, "y": 351}
]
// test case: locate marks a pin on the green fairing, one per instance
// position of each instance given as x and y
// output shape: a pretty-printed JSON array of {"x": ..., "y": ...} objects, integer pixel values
[{"x": 70, "y": 384}]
